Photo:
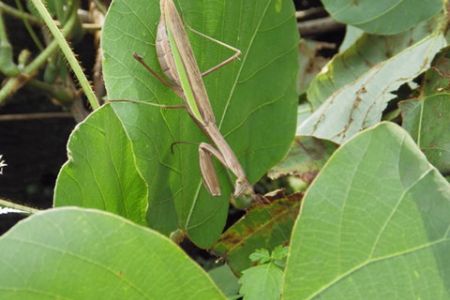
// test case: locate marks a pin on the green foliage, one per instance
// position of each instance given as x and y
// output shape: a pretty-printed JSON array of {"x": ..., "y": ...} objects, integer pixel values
[
  {"x": 226, "y": 281},
  {"x": 367, "y": 52},
  {"x": 264, "y": 226},
  {"x": 262, "y": 256},
  {"x": 93, "y": 154},
  {"x": 428, "y": 122},
  {"x": 244, "y": 96},
  {"x": 263, "y": 282},
  {"x": 383, "y": 16},
  {"x": 375, "y": 222},
  {"x": 305, "y": 159},
  {"x": 73, "y": 253},
  {"x": 360, "y": 104}
]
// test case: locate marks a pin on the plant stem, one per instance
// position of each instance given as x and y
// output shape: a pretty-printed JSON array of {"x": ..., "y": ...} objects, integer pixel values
[
  {"x": 13, "y": 84},
  {"x": 30, "y": 29},
  {"x": 7, "y": 65},
  {"x": 68, "y": 53},
  {"x": 35, "y": 116},
  {"x": 19, "y": 14},
  {"x": 62, "y": 94},
  {"x": 26, "y": 209}
]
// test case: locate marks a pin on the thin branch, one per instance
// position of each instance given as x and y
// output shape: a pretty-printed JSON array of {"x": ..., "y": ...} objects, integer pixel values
[
  {"x": 35, "y": 116},
  {"x": 28, "y": 27},
  {"x": 25, "y": 209},
  {"x": 19, "y": 14},
  {"x": 319, "y": 26},
  {"x": 310, "y": 12}
]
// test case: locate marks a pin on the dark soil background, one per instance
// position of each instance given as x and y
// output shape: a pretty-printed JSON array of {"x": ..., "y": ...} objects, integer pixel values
[{"x": 35, "y": 150}]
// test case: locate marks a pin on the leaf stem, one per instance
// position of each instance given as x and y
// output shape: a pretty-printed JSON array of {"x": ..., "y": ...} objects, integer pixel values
[{"x": 68, "y": 53}]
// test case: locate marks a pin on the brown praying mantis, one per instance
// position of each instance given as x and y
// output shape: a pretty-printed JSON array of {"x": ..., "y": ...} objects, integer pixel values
[{"x": 178, "y": 62}]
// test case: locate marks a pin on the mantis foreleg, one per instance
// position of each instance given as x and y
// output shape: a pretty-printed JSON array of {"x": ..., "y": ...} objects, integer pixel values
[{"x": 205, "y": 151}]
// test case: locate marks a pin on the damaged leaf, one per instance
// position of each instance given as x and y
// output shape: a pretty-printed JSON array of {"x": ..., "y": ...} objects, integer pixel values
[
  {"x": 264, "y": 226},
  {"x": 360, "y": 104},
  {"x": 305, "y": 159},
  {"x": 367, "y": 52}
]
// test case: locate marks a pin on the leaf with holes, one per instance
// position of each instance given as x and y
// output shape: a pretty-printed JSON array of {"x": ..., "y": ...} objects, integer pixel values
[
  {"x": 245, "y": 96},
  {"x": 367, "y": 52},
  {"x": 360, "y": 104},
  {"x": 375, "y": 222}
]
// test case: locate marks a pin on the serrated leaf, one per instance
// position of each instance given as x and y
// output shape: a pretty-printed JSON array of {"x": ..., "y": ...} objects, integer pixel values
[
  {"x": 261, "y": 283},
  {"x": 260, "y": 256},
  {"x": 360, "y": 104},
  {"x": 280, "y": 252},
  {"x": 305, "y": 159},
  {"x": 244, "y": 95},
  {"x": 383, "y": 17},
  {"x": 73, "y": 253},
  {"x": 264, "y": 226},
  {"x": 101, "y": 171},
  {"x": 428, "y": 122},
  {"x": 374, "y": 224},
  {"x": 367, "y": 52}
]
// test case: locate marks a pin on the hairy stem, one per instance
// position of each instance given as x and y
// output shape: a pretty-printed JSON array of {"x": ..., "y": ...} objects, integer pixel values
[{"x": 68, "y": 53}]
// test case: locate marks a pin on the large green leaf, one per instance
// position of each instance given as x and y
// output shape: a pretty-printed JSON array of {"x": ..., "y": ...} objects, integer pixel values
[
  {"x": 255, "y": 111},
  {"x": 360, "y": 104},
  {"x": 375, "y": 224},
  {"x": 428, "y": 122},
  {"x": 382, "y": 16},
  {"x": 101, "y": 172},
  {"x": 368, "y": 52},
  {"x": 73, "y": 253}
]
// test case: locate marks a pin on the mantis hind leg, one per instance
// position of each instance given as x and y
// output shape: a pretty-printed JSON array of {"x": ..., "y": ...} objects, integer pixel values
[{"x": 223, "y": 63}]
